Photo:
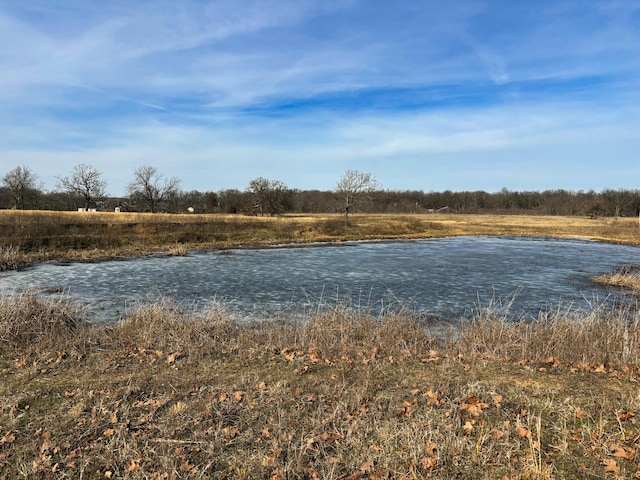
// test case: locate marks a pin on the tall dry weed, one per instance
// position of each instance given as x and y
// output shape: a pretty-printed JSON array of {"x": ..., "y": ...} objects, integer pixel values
[
  {"x": 602, "y": 335},
  {"x": 10, "y": 258},
  {"x": 32, "y": 322},
  {"x": 168, "y": 327}
]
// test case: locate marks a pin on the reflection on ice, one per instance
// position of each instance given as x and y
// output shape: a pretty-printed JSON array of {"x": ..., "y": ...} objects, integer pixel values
[{"x": 443, "y": 278}]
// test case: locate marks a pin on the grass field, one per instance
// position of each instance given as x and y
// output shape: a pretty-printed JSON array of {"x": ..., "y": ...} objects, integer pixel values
[
  {"x": 39, "y": 235},
  {"x": 170, "y": 393}
]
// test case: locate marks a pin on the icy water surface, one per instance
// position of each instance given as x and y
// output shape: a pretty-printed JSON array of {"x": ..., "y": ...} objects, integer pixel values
[{"x": 441, "y": 277}]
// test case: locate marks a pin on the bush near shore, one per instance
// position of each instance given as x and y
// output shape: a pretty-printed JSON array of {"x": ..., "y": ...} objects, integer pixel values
[{"x": 168, "y": 392}]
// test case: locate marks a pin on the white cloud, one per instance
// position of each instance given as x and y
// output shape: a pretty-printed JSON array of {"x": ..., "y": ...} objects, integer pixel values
[{"x": 175, "y": 84}]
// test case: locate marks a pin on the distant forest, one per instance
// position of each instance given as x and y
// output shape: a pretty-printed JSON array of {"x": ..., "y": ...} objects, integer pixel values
[{"x": 285, "y": 200}]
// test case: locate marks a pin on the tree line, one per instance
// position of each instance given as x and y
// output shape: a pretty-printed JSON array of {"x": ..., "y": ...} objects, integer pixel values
[{"x": 151, "y": 191}]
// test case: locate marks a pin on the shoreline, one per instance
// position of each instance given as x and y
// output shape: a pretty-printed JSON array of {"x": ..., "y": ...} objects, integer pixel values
[
  {"x": 34, "y": 237},
  {"x": 167, "y": 392}
]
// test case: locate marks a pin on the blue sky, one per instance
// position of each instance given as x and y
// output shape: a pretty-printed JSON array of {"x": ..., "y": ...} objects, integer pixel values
[{"x": 425, "y": 95}]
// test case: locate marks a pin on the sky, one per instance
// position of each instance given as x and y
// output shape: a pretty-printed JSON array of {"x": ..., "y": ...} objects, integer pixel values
[{"x": 423, "y": 94}]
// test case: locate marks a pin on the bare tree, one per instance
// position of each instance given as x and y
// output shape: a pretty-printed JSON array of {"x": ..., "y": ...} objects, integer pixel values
[
  {"x": 85, "y": 181},
  {"x": 269, "y": 195},
  {"x": 20, "y": 181},
  {"x": 355, "y": 186},
  {"x": 151, "y": 187}
]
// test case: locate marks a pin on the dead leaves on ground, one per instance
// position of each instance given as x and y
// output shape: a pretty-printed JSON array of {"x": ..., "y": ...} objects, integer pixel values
[{"x": 478, "y": 422}]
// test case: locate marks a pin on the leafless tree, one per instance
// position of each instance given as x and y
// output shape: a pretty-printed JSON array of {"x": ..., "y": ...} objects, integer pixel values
[
  {"x": 618, "y": 200},
  {"x": 151, "y": 187},
  {"x": 355, "y": 186},
  {"x": 269, "y": 195},
  {"x": 20, "y": 181},
  {"x": 85, "y": 181}
]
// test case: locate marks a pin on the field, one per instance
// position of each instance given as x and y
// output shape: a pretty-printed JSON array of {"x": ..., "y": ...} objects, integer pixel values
[
  {"x": 172, "y": 393},
  {"x": 36, "y": 235}
]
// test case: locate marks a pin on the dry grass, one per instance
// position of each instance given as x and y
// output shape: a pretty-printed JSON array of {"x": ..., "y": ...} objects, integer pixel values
[
  {"x": 10, "y": 258},
  {"x": 32, "y": 322},
  {"x": 604, "y": 335},
  {"x": 168, "y": 392},
  {"x": 173, "y": 393},
  {"x": 627, "y": 276},
  {"x": 74, "y": 235}
]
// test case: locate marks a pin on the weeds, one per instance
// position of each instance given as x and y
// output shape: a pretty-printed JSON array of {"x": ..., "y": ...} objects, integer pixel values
[
  {"x": 10, "y": 258},
  {"x": 32, "y": 323},
  {"x": 178, "y": 250},
  {"x": 171, "y": 392},
  {"x": 627, "y": 276}
]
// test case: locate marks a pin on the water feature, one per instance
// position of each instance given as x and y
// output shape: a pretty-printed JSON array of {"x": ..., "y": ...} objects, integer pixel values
[{"x": 440, "y": 277}]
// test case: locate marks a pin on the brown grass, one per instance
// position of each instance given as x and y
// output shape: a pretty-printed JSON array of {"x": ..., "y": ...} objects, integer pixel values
[
  {"x": 29, "y": 321},
  {"x": 73, "y": 235},
  {"x": 175, "y": 393},
  {"x": 169, "y": 392},
  {"x": 10, "y": 258},
  {"x": 626, "y": 276}
]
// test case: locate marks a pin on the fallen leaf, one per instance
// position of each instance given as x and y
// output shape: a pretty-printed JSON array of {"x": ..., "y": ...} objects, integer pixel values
[
  {"x": 432, "y": 398},
  {"x": 601, "y": 369},
  {"x": 523, "y": 432},
  {"x": 8, "y": 438},
  {"x": 173, "y": 357},
  {"x": 624, "y": 416},
  {"x": 366, "y": 467},
  {"x": 315, "y": 357},
  {"x": 230, "y": 431},
  {"x": 288, "y": 354},
  {"x": 580, "y": 413},
  {"x": 618, "y": 451},
  {"x": 432, "y": 449},
  {"x": 313, "y": 474},
  {"x": 429, "y": 464},
  {"x": 610, "y": 465},
  {"x": 133, "y": 465},
  {"x": 553, "y": 361}
]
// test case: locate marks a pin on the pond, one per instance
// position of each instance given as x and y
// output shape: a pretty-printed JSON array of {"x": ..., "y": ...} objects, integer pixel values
[{"x": 445, "y": 278}]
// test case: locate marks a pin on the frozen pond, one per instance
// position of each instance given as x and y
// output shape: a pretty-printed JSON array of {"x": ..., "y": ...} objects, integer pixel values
[{"x": 440, "y": 277}]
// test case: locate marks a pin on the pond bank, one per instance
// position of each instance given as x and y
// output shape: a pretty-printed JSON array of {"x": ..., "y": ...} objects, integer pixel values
[
  {"x": 164, "y": 394},
  {"x": 626, "y": 276},
  {"x": 40, "y": 236}
]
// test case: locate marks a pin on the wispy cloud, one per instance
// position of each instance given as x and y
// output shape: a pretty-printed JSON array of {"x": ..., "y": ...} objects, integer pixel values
[{"x": 301, "y": 90}]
